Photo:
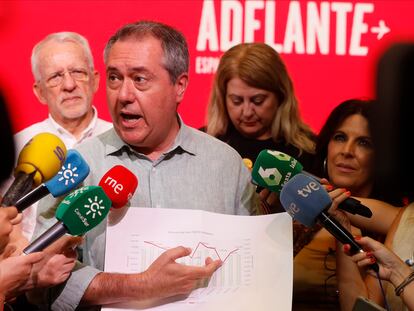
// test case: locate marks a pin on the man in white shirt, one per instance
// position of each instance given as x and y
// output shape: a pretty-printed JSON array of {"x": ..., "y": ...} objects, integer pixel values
[{"x": 65, "y": 81}]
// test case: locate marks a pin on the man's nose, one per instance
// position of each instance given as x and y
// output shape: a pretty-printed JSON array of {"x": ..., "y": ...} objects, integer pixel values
[
  {"x": 68, "y": 82},
  {"x": 126, "y": 91}
]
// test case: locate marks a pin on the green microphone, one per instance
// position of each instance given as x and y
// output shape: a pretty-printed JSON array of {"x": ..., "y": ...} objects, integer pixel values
[
  {"x": 267, "y": 174},
  {"x": 273, "y": 169},
  {"x": 79, "y": 212}
]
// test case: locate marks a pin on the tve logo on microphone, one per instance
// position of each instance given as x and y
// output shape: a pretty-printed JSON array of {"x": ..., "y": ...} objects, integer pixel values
[
  {"x": 292, "y": 209},
  {"x": 304, "y": 199},
  {"x": 309, "y": 188},
  {"x": 304, "y": 191}
]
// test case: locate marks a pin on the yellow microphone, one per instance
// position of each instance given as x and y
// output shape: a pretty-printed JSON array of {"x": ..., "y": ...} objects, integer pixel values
[
  {"x": 248, "y": 163},
  {"x": 39, "y": 160}
]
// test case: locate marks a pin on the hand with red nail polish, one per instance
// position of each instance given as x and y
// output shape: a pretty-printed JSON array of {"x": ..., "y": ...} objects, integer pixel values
[{"x": 392, "y": 268}]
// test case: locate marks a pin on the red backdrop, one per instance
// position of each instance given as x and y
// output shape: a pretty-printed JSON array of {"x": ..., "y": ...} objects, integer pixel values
[{"x": 330, "y": 48}]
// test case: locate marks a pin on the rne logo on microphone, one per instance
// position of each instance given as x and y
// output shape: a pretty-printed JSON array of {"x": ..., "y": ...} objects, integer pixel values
[{"x": 118, "y": 187}]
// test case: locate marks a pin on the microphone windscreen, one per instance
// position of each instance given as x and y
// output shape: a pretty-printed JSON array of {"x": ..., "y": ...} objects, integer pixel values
[
  {"x": 304, "y": 199},
  {"x": 73, "y": 172},
  {"x": 119, "y": 183},
  {"x": 390, "y": 122},
  {"x": 273, "y": 169},
  {"x": 43, "y": 156},
  {"x": 83, "y": 209}
]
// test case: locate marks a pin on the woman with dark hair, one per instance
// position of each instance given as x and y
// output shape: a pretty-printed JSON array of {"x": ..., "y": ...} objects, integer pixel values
[
  {"x": 345, "y": 155},
  {"x": 347, "y": 161}
]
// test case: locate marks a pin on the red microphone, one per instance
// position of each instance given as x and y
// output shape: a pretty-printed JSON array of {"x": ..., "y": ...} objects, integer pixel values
[{"x": 119, "y": 184}]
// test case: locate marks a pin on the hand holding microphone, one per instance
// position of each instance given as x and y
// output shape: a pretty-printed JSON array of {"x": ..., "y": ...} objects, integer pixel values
[
  {"x": 391, "y": 266},
  {"x": 39, "y": 160},
  {"x": 7, "y": 220},
  {"x": 86, "y": 207},
  {"x": 16, "y": 274},
  {"x": 79, "y": 212},
  {"x": 72, "y": 173},
  {"x": 273, "y": 169},
  {"x": 307, "y": 201}
]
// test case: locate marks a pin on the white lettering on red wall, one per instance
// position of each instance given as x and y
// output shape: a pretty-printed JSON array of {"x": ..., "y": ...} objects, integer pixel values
[{"x": 314, "y": 27}]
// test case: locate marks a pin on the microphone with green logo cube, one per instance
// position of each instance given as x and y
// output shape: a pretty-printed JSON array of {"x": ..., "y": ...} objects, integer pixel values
[
  {"x": 78, "y": 213},
  {"x": 273, "y": 169}
]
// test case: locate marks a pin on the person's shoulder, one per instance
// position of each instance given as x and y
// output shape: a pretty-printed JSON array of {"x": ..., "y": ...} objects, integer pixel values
[
  {"x": 209, "y": 145},
  {"x": 24, "y": 135},
  {"x": 32, "y": 129},
  {"x": 105, "y": 123},
  {"x": 95, "y": 143},
  {"x": 209, "y": 139}
]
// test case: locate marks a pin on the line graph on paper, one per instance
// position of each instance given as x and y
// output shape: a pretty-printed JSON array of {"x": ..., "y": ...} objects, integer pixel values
[{"x": 235, "y": 272}]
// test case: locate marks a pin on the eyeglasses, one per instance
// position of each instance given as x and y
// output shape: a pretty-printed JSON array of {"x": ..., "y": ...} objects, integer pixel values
[{"x": 58, "y": 77}]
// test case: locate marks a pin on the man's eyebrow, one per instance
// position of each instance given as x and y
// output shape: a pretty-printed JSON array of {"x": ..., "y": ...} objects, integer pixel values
[
  {"x": 111, "y": 68},
  {"x": 133, "y": 69}
]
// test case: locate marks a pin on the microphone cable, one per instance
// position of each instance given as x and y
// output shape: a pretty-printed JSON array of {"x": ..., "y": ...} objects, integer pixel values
[{"x": 387, "y": 307}]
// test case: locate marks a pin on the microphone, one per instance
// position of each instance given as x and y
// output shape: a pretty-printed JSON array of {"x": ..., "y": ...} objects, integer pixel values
[
  {"x": 79, "y": 212},
  {"x": 306, "y": 201},
  {"x": 119, "y": 184},
  {"x": 39, "y": 160},
  {"x": 273, "y": 169},
  {"x": 73, "y": 172}
]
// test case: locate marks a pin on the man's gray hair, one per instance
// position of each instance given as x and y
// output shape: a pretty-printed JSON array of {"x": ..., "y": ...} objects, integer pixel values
[
  {"x": 65, "y": 36},
  {"x": 173, "y": 43}
]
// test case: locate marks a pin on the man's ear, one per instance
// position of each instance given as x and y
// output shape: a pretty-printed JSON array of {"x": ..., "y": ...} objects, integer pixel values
[
  {"x": 37, "y": 90},
  {"x": 181, "y": 86},
  {"x": 96, "y": 79}
]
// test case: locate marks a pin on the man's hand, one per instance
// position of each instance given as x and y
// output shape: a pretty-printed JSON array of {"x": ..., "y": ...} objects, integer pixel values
[
  {"x": 166, "y": 278},
  {"x": 16, "y": 273},
  {"x": 58, "y": 262},
  {"x": 8, "y": 217}
]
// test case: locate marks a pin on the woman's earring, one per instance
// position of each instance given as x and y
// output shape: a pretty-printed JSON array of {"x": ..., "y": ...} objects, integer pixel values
[{"x": 325, "y": 168}]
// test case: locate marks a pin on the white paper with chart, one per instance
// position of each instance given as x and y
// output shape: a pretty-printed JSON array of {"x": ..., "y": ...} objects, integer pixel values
[{"x": 256, "y": 252}]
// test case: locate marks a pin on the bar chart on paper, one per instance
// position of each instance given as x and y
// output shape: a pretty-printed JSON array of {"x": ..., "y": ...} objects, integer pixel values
[{"x": 252, "y": 257}]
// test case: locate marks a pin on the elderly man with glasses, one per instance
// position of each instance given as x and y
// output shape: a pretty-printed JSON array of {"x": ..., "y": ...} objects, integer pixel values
[{"x": 65, "y": 81}]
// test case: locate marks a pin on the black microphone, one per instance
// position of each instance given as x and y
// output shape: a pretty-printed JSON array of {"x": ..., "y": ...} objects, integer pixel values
[
  {"x": 306, "y": 201},
  {"x": 39, "y": 160},
  {"x": 73, "y": 172},
  {"x": 79, "y": 212}
]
